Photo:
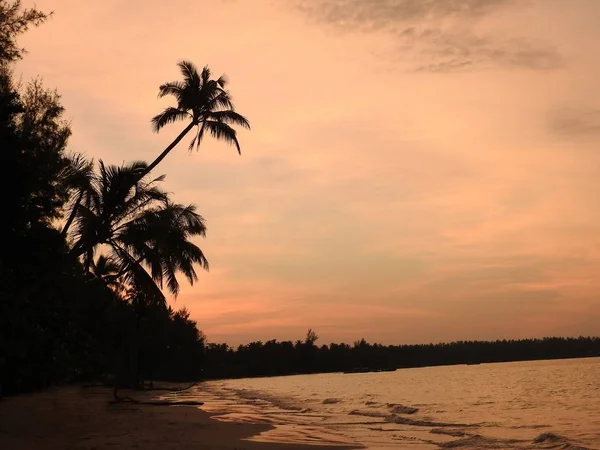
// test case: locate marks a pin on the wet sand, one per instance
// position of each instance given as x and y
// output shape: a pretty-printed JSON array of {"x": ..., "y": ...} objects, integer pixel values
[{"x": 76, "y": 418}]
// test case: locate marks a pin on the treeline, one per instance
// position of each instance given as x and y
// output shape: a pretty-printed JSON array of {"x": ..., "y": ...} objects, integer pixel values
[
  {"x": 273, "y": 358},
  {"x": 88, "y": 247}
]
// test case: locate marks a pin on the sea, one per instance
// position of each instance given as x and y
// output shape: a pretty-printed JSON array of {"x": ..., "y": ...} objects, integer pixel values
[{"x": 522, "y": 405}]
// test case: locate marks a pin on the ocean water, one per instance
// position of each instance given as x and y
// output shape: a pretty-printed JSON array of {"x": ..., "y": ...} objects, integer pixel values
[{"x": 524, "y": 405}]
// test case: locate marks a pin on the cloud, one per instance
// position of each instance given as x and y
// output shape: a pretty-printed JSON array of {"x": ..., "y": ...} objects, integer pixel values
[
  {"x": 386, "y": 14},
  {"x": 576, "y": 122},
  {"x": 462, "y": 50},
  {"x": 439, "y": 35}
]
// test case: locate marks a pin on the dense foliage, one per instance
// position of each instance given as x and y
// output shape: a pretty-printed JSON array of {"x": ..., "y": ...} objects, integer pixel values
[{"x": 86, "y": 250}]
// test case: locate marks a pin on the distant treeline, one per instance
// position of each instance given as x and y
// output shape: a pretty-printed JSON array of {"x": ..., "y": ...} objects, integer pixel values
[{"x": 301, "y": 357}]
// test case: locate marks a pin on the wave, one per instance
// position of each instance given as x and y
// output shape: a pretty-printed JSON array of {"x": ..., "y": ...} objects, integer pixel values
[
  {"x": 358, "y": 412},
  {"x": 395, "y": 408},
  {"x": 437, "y": 424},
  {"x": 448, "y": 432},
  {"x": 426, "y": 423},
  {"x": 477, "y": 442},
  {"x": 555, "y": 441},
  {"x": 548, "y": 437},
  {"x": 257, "y": 398},
  {"x": 548, "y": 441}
]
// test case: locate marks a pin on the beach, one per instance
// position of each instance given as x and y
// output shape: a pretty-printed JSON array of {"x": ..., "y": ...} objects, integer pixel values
[
  {"x": 530, "y": 405},
  {"x": 76, "y": 418}
]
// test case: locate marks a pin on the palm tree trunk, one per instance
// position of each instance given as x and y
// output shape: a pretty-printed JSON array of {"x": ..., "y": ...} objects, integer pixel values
[
  {"x": 171, "y": 146},
  {"x": 72, "y": 215}
]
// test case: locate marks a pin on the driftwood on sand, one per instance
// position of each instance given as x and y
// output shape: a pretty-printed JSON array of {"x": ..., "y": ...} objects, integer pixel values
[
  {"x": 119, "y": 399},
  {"x": 171, "y": 388},
  {"x": 143, "y": 387}
]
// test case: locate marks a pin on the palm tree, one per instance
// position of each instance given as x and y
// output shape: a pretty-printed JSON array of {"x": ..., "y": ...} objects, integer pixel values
[
  {"x": 205, "y": 103},
  {"x": 146, "y": 236}
]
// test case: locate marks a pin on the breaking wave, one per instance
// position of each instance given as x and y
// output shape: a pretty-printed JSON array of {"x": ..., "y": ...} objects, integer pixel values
[
  {"x": 477, "y": 442},
  {"x": 358, "y": 412},
  {"x": 426, "y": 423}
]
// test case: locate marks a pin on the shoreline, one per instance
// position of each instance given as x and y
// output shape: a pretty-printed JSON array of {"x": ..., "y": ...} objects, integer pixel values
[{"x": 71, "y": 417}]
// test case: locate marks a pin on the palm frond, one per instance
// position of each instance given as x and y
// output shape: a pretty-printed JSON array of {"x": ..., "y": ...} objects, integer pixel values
[
  {"x": 222, "y": 131},
  {"x": 169, "y": 115},
  {"x": 197, "y": 138},
  {"x": 190, "y": 73},
  {"x": 230, "y": 118},
  {"x": 216, "y": 100},
  {"x": 77, "y": 178},
  {"x": 104, "y": 266},
  {"x": 137, "y": 276},
  {"x": 205, "y": 76},
  {"x": 144, "y": 196},
  {"x": 77, "y": 171},
  {"x": 223, "y": 80},
  {"x": 174, "y": 88},
  {"x": 169, "y": 274},
  {"x": 192, "y": 222},
  {"x": 193, "y": 254}
]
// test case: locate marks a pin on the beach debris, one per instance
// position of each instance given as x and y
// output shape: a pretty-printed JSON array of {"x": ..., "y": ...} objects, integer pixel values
[{"x": 397, "y": 408}]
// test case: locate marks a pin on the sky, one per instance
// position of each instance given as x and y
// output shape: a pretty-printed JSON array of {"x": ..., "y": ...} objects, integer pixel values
[{"x": 417, "y": 170}]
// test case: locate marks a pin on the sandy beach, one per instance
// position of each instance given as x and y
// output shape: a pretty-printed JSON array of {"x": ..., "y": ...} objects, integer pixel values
[{"x": 76, "y": 418}]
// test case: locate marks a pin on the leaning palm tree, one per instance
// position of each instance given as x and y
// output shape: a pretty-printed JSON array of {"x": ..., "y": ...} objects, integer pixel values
[
  {"x": 146, "y": 236},
  {"x": 205, "y": 103}
]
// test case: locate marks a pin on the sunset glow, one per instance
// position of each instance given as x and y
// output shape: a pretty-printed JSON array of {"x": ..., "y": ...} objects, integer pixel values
[{"x": 416, "y": 171}]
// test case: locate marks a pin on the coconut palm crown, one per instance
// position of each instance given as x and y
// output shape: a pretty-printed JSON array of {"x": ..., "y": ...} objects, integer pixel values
[
  {"x": 145, "y": 235},
  {"x": 205, "y": 102}
]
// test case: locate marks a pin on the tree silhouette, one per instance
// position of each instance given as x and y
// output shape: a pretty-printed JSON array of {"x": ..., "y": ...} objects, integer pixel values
[
  {"x": 14, "y": 22},
  {"x": 311, "y": 337},
  {"x": 284, "y": 358},
  {"x": 205, "y": 103},
  {"x": 140, "y": 228},
  {"x": 69, "y": 310},
  {"x": 32, "y": 153}
]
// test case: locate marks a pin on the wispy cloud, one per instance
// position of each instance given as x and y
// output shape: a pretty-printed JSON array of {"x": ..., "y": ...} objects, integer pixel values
[
  {"x": 576, "y": 122},
  {"x": 386, "y": 14},
  {"x": 456, "y": 51},
  {"x": 439, "y": 35}
]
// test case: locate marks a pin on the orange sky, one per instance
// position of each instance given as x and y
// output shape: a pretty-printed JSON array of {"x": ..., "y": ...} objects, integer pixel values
[{"x": 418, "y": 170}]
